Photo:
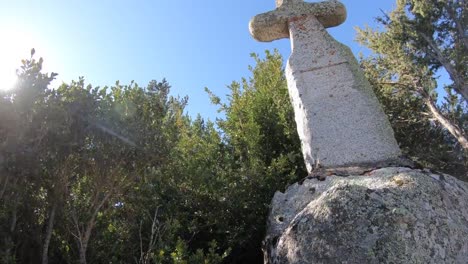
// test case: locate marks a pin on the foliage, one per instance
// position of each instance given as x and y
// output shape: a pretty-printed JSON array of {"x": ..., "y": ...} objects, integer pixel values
[
  {"x": 89, "y": 170},
  {"x": 421, "y": 40},
  {"x": 263, "y": 148}
]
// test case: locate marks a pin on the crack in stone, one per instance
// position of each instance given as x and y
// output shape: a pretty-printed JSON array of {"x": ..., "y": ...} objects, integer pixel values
[{"x": 322, "y": 67}]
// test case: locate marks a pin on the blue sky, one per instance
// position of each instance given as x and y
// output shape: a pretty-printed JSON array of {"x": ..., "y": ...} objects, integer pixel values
[{"x": 193, "y": 44}]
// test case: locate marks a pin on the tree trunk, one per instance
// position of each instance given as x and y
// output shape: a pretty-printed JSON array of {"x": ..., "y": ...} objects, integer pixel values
[
  {"x": 84, "y": 239},
  {"x": 458, "y": 79},
  {"x": 2, "y": 192},
  {"x": 458, "y": 133},
  {"x": 8, "y": 240},
  {"x": 50, "y": 228},
  {"x": 83, "y": 248}
]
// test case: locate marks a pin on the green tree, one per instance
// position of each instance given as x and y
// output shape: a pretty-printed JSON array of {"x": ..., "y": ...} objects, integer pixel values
[
  {"x": 263, "y": 148},
  {"x": 22, "y": 135},
  {"x": 121, "y": 174},
  {"x": 420, "y": 39}
]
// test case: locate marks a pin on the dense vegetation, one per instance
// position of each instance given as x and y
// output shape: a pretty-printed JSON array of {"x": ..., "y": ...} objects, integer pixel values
[{"x": 121, "y": 174}]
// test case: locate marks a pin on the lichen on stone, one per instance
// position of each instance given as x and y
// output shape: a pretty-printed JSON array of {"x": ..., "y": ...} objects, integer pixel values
[{"x": 391, "y": 215}]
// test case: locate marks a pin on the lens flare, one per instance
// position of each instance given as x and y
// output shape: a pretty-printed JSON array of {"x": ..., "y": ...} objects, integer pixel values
[{"x": 16, "y": 45}]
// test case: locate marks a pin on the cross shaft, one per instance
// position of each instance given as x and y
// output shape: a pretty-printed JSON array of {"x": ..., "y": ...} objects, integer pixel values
[{"x": 339, "y": 119}]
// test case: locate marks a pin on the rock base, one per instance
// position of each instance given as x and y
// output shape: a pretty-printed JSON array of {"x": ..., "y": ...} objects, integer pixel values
[{"x": 389, "y": 215}]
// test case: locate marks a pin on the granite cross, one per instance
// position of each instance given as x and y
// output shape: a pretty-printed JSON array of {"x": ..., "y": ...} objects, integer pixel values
[{"x": 339, "y": 119}]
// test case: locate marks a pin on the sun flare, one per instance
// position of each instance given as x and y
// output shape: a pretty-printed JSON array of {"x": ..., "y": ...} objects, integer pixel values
[
  {"x": 15, "y": 46},
  {"x": 7, "y": 77}
]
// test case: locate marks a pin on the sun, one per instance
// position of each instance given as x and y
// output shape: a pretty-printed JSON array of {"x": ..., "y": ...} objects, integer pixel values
[
  {"x": 7, "y": 76},
  {"x": 16, "y": 45}
]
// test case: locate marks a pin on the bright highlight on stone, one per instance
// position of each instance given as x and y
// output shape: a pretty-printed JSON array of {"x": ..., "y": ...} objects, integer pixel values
[{"x": 339, "y": 119}]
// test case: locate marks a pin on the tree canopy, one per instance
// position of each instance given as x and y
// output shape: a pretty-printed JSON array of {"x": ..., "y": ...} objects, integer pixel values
[
  {"x": 88, "y": 171},
  {"x": 420, "y": 41}
]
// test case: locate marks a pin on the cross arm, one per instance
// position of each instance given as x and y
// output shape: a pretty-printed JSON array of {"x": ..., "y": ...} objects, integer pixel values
[{"x": 273, "y": 25}]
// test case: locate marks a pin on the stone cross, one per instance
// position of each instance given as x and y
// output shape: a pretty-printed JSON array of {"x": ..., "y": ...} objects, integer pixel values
[{"x": 339, "y": 119}]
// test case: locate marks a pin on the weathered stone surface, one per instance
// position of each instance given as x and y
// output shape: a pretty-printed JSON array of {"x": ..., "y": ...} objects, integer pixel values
[
  {"x": 273, "y": 25},
  {"x": 390, "y": 215},
  {"x": 339, "y": 119}
]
